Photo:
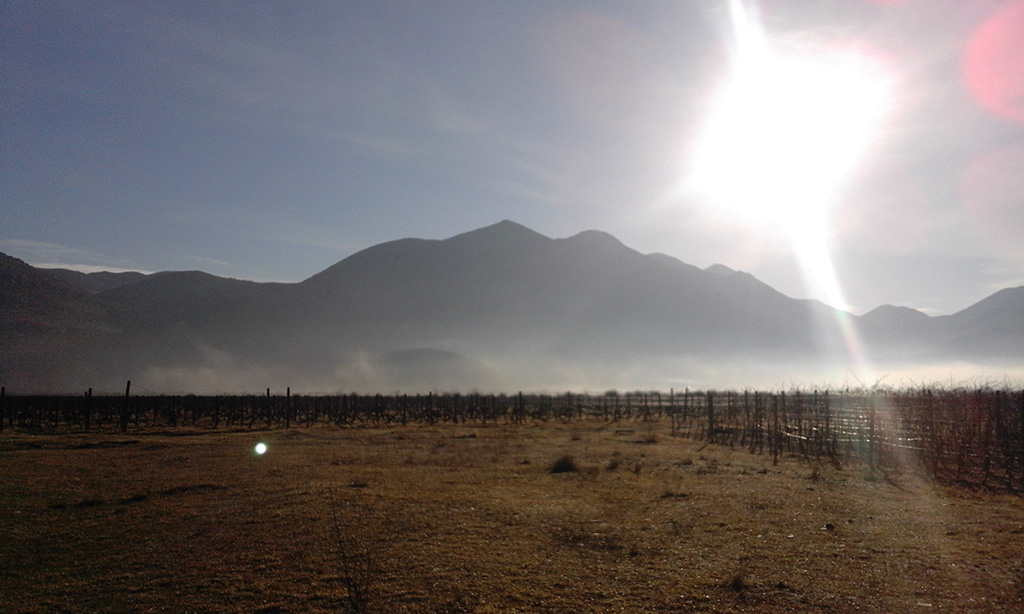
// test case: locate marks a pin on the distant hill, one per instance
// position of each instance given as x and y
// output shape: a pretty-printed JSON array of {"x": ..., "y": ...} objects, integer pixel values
[
  {"x": 47, "y": 327},
  {"x": 992, "y": 327},
  {"x": 498, "y": 307}
]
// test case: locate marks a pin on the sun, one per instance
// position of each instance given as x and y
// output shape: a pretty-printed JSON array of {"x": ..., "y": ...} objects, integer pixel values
[{"x": 789, "y": 125}]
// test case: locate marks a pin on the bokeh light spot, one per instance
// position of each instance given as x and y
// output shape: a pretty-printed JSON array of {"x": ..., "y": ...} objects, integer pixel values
[{"x": 260, "y": 449}]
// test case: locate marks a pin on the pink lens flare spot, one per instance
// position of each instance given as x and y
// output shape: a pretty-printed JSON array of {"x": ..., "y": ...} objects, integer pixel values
[{"x": 993, "y": 64}]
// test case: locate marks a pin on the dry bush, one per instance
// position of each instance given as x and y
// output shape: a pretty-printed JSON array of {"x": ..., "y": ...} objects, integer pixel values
[{"x": 564, "y": 464}]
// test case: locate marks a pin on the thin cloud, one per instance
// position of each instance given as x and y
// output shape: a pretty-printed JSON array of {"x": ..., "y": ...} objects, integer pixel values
[
  {"x": 42, "y": 251},
  {"x": 46, "y": 255},
  {"x": 212, "y": 261},
  {"x": 89, "y": 268}
]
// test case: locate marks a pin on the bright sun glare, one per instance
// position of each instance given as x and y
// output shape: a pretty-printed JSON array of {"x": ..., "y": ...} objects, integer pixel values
[{"x": 788, "y": 127}]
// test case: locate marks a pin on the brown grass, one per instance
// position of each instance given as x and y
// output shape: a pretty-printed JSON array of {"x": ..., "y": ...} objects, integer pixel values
[{"x": 459, "y": 519}]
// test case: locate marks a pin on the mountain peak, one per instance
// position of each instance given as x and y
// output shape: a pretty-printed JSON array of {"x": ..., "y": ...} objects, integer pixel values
[
  {"x": 506, "y": 234},
  {"x": 719, "y": 269},
  {"x": 505, "y": 229},
  {"x": 596, "y": 239},
  {"x": 594, "y": 236},
  {"x": 893, "y": 314}
]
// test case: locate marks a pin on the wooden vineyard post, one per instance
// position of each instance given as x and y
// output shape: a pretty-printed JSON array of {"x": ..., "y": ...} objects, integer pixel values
[
  {"x": 774, "y": 442},
  {"x": 270, "y": 409},
  {"x": 87, "y": 413},
  {"x": 935, "y": 441},
  {"x": 711, "y": 417},
  {"x": 126, "y": 406},
  {"x": 1020, "y": 434},
  {"x": 288, "y": 407},
  {"x": 871, "y": 432},
  {"x": 751, "y": 427}
]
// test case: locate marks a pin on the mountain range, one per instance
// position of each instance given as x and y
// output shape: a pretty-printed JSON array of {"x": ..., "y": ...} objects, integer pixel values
[{"x": 499, "y": 308}]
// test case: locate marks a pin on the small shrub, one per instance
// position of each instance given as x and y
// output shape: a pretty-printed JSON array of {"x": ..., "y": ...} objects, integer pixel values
[
  {"x": 565, "y": 464},
  {"x": 737, "y": 583},
  {"x": 672, "y": 494},
  {"x": 648, "y": 436}
]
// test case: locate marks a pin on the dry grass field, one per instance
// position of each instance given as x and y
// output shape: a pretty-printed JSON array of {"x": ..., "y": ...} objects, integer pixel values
[{"x": 471, "y": 519}]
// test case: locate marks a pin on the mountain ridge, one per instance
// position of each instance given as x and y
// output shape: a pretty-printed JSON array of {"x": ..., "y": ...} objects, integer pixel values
[{"x": 500, "y": 304}]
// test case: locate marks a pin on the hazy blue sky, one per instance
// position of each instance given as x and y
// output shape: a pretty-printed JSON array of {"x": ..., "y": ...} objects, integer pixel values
[{"x": 268, "y": 140}]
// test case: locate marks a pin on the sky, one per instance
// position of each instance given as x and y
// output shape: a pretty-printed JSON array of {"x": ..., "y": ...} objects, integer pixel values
[{"x": 862, "y": 152}]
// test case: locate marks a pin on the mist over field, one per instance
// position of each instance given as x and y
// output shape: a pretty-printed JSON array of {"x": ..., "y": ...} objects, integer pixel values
[{"x": 366, "y": 375}]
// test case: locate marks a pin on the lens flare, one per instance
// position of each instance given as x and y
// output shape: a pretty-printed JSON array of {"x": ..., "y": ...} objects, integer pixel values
[
  {"x": 260, "y": 449},
  {"x": 994, "y": 64}
]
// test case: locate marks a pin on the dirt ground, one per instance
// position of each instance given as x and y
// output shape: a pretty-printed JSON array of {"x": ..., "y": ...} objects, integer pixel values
[{"x": 471, "y": 519}]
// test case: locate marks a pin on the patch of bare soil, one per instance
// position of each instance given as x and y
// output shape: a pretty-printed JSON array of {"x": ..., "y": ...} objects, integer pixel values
[{"x": 581, "y": 517}]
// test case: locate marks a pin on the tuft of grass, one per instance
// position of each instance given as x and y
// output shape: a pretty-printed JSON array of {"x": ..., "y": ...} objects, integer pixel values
[
  {"x": 738, "y": 583},
  {"x": 565, "y": 464},
  {"x": 615, "y": 461},
  {"x": 354, "y": 565},
  {"x": 648, "y": 436},
  {"x": 672, "y": 494}
]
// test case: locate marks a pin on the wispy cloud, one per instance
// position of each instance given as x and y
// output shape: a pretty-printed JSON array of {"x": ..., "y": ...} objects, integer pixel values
[
  {"x": 38, "y": 246},
  {"x": 88, "y": 268},
  {"x": 56, "y": 256},
  {"x": 43, "y": 251},
  {"x": 212, "y": 261}
]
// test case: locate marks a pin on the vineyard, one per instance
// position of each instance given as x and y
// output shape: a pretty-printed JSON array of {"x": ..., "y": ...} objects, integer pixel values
[{"x": 964, "y": 436}]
